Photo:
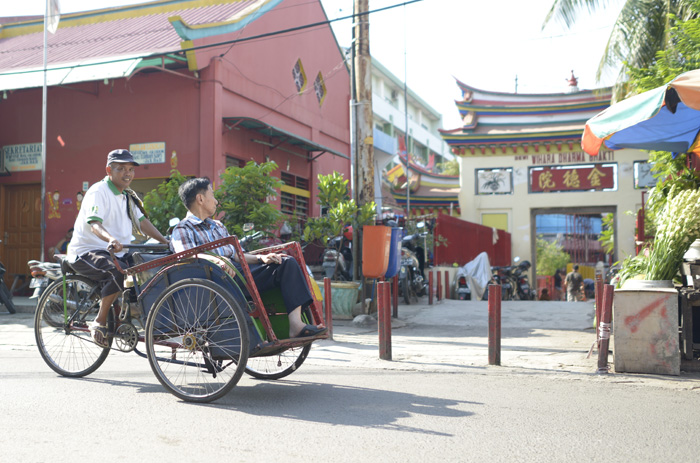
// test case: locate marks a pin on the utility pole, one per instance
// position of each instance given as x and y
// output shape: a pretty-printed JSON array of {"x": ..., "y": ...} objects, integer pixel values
[{"x": 364, "y": 159}]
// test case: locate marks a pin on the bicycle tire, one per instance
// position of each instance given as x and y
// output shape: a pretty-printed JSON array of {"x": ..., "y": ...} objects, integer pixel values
[
  {"x": 62, "y": 335},
  {"x": 281, "y": 364},
  {"x": 187, "y": 323}
]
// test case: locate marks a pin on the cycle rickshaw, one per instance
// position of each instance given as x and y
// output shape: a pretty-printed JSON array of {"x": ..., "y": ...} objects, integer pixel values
[{"x": 200, "y": 329}]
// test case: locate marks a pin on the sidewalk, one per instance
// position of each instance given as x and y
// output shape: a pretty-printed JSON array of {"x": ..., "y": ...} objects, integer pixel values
[{"x": 545, "y": 337}]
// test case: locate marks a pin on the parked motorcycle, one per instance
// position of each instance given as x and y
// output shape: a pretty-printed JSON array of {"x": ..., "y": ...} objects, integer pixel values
[
  {"x": 503, "y": 276},
  {"x": 460, "y": 289},
  {"x": 5, "y": 294},
  {"x": 523, "y": 290},
  {"x": 411, "y": 282},
  {"x": 43, "y": 273},
  {"x": 337, "y": 258}
]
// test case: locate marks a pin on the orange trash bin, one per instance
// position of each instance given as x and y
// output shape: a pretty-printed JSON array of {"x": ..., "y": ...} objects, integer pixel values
[{"x": 376, "y": 244}]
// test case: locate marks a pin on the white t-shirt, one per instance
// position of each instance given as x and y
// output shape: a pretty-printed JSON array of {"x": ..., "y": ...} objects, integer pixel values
[{"x": 105, "y": 204}]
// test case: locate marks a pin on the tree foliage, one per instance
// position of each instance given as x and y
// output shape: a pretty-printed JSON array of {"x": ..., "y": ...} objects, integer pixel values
[
  {"x": 449, "y": 167},
  {"x": 681, "y": 54},
  {"x": 243, "y": 194},
  {"x": 550, "y": 257},
  {"x": 642, "y": 28},
  {"x": 163, "y": 202},
  {"x": 341, "y": 211}
]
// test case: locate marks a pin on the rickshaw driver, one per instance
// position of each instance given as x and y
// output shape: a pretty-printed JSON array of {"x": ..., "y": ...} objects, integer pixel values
[
  {"x": 269, "y": 270},
  {"x": 103, "y": 222}
]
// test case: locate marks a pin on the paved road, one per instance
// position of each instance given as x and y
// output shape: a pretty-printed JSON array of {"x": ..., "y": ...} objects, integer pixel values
[{"x": 438, "y": 399}]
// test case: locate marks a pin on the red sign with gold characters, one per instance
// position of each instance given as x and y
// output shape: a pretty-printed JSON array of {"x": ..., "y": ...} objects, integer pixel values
[{"x": 595, "y": 177}]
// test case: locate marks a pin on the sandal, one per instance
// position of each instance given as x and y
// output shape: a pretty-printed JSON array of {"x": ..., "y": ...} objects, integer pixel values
[{"x": 99, "y": 334}]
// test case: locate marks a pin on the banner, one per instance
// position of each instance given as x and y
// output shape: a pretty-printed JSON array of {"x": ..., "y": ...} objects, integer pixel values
[{"x": 54, "y": 16}]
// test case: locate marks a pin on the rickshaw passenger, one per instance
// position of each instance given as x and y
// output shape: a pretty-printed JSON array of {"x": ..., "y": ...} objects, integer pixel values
[
  {"x": 104, "y": 221},
  {"x": 268, "y": 270}
]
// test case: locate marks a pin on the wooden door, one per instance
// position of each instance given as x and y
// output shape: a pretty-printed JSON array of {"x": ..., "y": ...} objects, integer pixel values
[{"x": 21, "y": 228}]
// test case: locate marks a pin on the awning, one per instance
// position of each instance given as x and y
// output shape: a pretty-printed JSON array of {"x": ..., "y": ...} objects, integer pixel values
[
  {"x": 70, "y": 73},
  {"x": 278, "y": 137}
]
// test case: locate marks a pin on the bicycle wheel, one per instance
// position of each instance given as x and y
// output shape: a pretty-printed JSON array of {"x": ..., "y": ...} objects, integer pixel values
[
  {"x": 281, "y": 364},
  {"x": 6, "y": 298},
  {"x": 197, "y": 340},
  {"x": 62, "y": 334}
]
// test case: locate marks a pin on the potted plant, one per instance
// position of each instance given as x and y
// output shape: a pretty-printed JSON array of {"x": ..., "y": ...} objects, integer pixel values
[
  {"x": 339, "y": 212},
  {"x": 646, "y": 305}
]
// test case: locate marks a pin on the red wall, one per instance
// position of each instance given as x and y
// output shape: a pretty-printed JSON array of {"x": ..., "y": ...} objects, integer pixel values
[
  {"x": 252, "y": 80},
  {"x": 466, "y": 240}
]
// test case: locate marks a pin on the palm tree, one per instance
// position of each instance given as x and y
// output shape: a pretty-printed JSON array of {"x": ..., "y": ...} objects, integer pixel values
[{"x": 642, "y": 28}]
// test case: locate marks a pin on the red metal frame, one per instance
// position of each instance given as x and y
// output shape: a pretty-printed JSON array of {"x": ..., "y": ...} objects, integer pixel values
[{"x": 292, "y": 249}]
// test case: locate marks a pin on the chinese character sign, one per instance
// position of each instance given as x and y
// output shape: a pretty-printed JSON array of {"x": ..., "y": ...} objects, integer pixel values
[{"x": 595, "y": 177}]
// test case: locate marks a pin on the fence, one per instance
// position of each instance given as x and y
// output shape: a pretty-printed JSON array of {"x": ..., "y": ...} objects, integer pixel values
[{"x": 466, "y": 240}]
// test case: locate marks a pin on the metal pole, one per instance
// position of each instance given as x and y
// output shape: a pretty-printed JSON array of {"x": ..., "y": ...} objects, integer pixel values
[
  {"x": 384, "y": 319},
  {"x": 447, "y": 284},
  {"x": 395, "y": 296},
  {"x": 494, "y": 324},
  {"x": 604, "y": 332},
  {"x": 328, "y": 306},
  {"x": 430, "y": 288},
  {"x": 43, "y": 138},
  {"x": 405, "y": 108}
]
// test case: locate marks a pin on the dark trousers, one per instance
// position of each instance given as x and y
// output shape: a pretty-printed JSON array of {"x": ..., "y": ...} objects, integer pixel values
[
  {"x": 287, "y": 276},
  {"x": 99, "y": 267}
]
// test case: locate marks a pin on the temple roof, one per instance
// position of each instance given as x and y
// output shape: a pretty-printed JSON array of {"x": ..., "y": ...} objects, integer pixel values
[{"x": 513, "y": 123}]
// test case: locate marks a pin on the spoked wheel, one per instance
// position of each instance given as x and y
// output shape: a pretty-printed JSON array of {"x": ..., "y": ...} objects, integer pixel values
[
  {"x": 197, "y": 340},
  {"x": 281, "y": 364},
  {"x": 61, "y": 330}
]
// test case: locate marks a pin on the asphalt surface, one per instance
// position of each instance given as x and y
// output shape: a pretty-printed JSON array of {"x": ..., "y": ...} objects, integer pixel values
[{"x": 537, "y": 337}]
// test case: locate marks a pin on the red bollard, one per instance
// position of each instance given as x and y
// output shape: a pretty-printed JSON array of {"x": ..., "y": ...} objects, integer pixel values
[
  {"x": 447, "y": 284},
  {"x": 328, "y": 308},
  {"x": 384, "y": 319},
  {"x": 439, "y": 286},
  {"x": 604, "y": 331},
  {"x": 598, "y": 303},
  {"x": 430, "y": 288},
  {"x": 395, "y": 296},
  {"x": 494, "y": 324}
]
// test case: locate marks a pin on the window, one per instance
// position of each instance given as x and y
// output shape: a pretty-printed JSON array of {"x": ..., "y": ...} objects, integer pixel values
[
  {"x": 234, "y": 162},
  {"x": 495, "y": 220},
  {"x": 494, "y": 181},
  {"x": 294, "y": 196}
]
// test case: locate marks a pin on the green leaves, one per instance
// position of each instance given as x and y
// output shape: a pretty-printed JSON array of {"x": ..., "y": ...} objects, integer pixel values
[
  {"x": 242, "y": 196},
  {"x": 163, "y": 203},
  {"x": 550, "y": 257},
  {"x": 341, "y": 210}
]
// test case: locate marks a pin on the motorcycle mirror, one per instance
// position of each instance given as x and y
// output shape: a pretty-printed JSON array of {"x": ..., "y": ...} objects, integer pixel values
[
  {"x": 248, "y": 226},
  {"x": 420, "y": 225},
  {"x": 517, "y": 259}
]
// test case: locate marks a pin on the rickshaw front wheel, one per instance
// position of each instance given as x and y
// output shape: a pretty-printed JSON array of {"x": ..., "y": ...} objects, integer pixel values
[{"x": 197, "y": 340}]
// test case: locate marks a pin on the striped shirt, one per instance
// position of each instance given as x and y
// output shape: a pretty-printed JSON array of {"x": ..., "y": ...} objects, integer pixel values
[{"x": 193, "y": 231}]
